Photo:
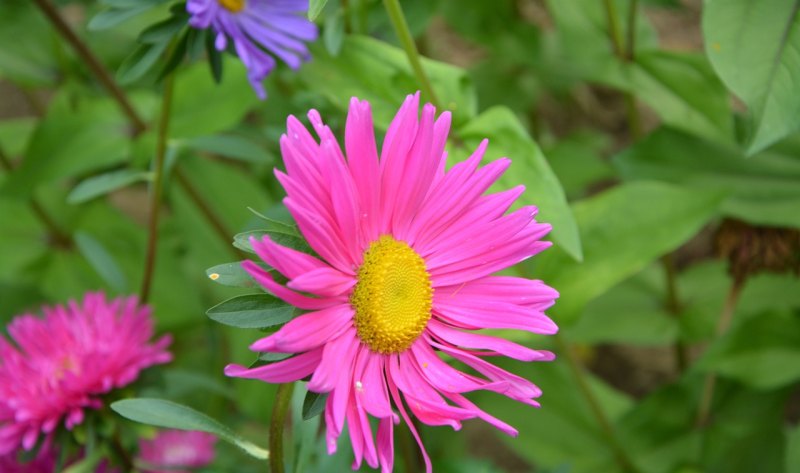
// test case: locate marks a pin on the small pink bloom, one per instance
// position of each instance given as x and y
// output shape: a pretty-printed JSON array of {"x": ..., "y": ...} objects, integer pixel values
[
  {"x": 175, "y": 449},
  {"x": 62, "y": 363},
  {"x": 405, "y": 274}
]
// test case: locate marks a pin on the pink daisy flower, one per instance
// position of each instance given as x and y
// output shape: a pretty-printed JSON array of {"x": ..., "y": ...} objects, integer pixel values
[
  {"x": 62, "y": 363},
  {"x": 405, "y": 276},
  {"x": 173, "y": 450}
]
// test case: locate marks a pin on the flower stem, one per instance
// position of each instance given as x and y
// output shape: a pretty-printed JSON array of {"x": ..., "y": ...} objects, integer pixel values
[
  {"x": 400, "y": 25},
  {"x": 157, "y": 189},
  {"x": 673, "y": 306},
  {"x": 57, "y": 236},
  {"x": 282, "y": 401},
  {"x": 613, "y": 28},
  {"x": 725, "y": 317},
  {"x": 630, "y": 44},
  {"x": 52, "y": 14},
  {"x": 594, "y": 405}
]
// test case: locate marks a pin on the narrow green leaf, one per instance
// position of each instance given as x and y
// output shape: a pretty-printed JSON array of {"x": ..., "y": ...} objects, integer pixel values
[
  {"x": 252, "y": 311},
  {"x": 87, "y": 464},
  {"x": 313, "y": 404},
  {"x": 753, "y": 46},
  {"x": 141, "y": 60},
  {"x": 102, "y": 184},
  {"x": 242, "y": 240},
  {"x": 315, "y": 7},
  {"x": 163, "y": 31},
  {"x": 333, "y": 34},
  {"x": 171, "y": 415},
  {"x": 102, "y": 261},
  {"x": 109, "y": 18},
  {"x": 230, "y": 274},
  {"x": 230, "y": 146},
  {"x": 508, "y": 138}
]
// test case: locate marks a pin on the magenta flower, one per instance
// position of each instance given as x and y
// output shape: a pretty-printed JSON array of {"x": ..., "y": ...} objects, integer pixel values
[
  {"x": 407, "y": 256},
  {"x": 44, "y": 462},
  {"x": 62, "y": 364},
  {"x": 172, "y": 450},
  {"x": 255, "y": 27}
]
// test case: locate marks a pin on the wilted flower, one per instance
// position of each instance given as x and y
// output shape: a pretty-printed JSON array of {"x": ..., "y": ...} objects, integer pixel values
[
  {"x": 407, "y": 252},
  {"x": 173, "y": 450},
  {"x": 63, "y": 362},
  {"x": 255, "y": 27}
]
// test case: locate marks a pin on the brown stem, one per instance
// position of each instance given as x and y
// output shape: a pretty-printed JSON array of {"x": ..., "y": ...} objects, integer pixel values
[
  {"x": 672, "y": 304},
  {"x": 157, "y": 188},
  {"x": 97, "y": 67},
  {"x": 594, "y": 405},
  {"x": 725, "y": 317},
  {"x": 199, "y": 201},
  {"x": 57, "y": 236}
]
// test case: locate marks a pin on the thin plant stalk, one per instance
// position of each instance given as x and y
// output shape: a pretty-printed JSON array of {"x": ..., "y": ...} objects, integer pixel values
[
  {"x": 157, "y": 189},
  {"x": 577, "y": 369},
  {"x": 283, "y": 398},
  {"x": 630, "y": 44},
  {"x": 398, "y": 19},
  {"x": 673, "y": 306},
  {"x": 97, "y": 67},
  {"x": 725, "y": 317}
]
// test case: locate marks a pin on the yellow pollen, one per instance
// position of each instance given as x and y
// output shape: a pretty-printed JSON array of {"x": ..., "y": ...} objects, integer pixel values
[
  {"x": 213, "y": 276},
  {"x": 392, "y": 298},
  {"x": 233, "y": 6}
]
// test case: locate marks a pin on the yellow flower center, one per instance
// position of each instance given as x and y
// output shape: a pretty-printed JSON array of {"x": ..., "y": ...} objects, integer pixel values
[
  {"x": 392, "y": 297},
  {"x": 233, "y": 6}
]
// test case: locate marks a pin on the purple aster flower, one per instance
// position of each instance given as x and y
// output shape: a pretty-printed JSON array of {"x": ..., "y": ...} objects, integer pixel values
[{"x": 255, "y": 27}]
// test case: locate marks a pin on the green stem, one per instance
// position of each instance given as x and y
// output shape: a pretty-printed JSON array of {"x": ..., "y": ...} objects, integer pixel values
[
  {"x": 57, "y": 236},
  {"x": 400, "y": 25},
  {"x": 282, "y": 401},
  {"x": 157, "y": 189},
  {"x": 673, "y": 306},
  {"x": 630, "y": 44},
  {"x": 594, "y": 405},
  {"x": 613, "y": 28},
  {"x": 97, "y": 67},
  {"x": 725, "y": 317},
  {"x": 615, "y": 36}
]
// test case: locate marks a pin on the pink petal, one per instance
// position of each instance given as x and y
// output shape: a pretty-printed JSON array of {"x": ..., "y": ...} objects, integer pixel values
[
  {"x": 386, "y": 445},
  {"x": 363, "y": 163},
  {"x": 290, "y": 297},
  {"x": 474, "y": 313},
  {"x": 285, "y": 371},
  {"x": 396, "y": 145},
  {"x": 323, "y": 281},
  {"x": 289, "y": 262},
  {"x": 521, "y": 291},
  {"x": 399, "y": 403},
  {"x": 497, "y": 345},
  {"x": 334, "y": 359},
  {"x": 307, "y": 331}
]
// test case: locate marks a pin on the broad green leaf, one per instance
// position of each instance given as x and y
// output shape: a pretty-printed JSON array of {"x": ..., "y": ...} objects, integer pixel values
[
  {"x": 765, "y": 190},
  {"x": 252, "y": 311},
  {"x": 15, "y": 133},
  {"x": 375, "y": 71},
  {"x": 577, "y": 160},
  {"x": 171, "y": 415},
  {"x": 793, "y": 450},
  {"x": 230, "y": 274},
  {"x": 180, "y": 382},
  {"x": 102, "y": 184},
  {"x": 32, "y": 62},
  {"x": 333, "y": 34},
  {"x": 202, "y": 107},
  {"x": 230, "y": 146},
  {"x": 508, "y": 138},
  {"x": 762, "y": 352},
  {"x": 313, "y": 404},
  {"x": 102, "y": 261},
  {"x": 623, "y": 230},
  {"x": 753, "y": 45},
  {"x": 315, "y": 7},
  {"x": 70, "y": 140},
  {"x": 242, "y": 240}
]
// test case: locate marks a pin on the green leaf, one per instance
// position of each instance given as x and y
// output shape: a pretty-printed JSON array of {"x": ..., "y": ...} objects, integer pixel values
[
  {"x": 242, "y": 240},
  {"x": 102, "y": 261},
  {"x": 230, "y": 146},
  {"x": 315, "y": 7},
  {"x": 87, "y": 464},
  {"x": 753, "y": 46},
  {"x": 230, "y": 274},
  {"x": 252, "y": 311},
  {"x": 375, "y": 71},
  {"x": 623, "y": 230},
  {"x": 102, "y": 184},
  {"x": 109, "y": 18},
  {"x": 764, "y": 190},
  {"x": 313, "y": 404},
  {"x": 793, "y": 450},
  {"x": 507, "y": 137},
  {"x": 762, "y": 352},
  {"x": 333, "y": 33},
  {"x": 70, "y": 140},
  {"x": 141, "y": 60},
  {"x": 171, "y": 415}
]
